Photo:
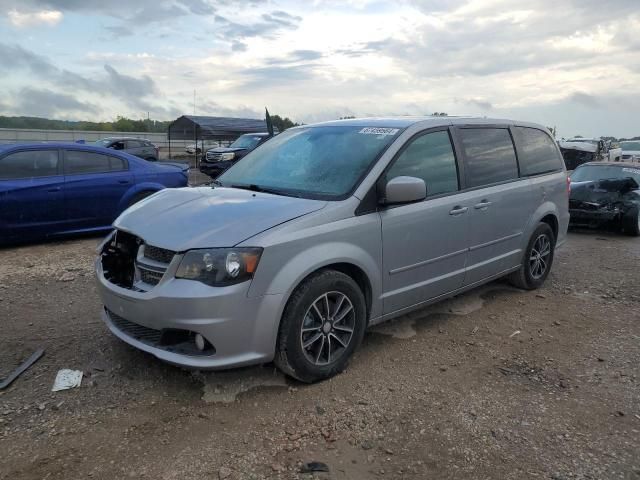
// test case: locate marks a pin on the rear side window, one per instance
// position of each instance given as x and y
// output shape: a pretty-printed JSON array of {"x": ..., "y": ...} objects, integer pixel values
[
  {"x": 429, "y": 157},
  {"x": 489, "y": 154},
  {"x": 29, "y": 164},
  {"x": 537, "y": 153},
  {"x": 78, "y": 162},
  {"x": 134, "y": 144}
]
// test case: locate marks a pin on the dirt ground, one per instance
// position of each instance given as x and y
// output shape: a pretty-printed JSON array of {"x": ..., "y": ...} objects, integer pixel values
[{"x": 497, "y": 383}]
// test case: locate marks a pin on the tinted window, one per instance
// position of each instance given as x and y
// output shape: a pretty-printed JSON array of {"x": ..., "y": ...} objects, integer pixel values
[
  {"x": 29, "y": 164},
  {"x": 77, "y": 162},
  {"x": 429, "y": 157},
  {"x": 134, "y": 144},
  {"x": 537, "y": 153},
  {"x": 490, "y": 156}
]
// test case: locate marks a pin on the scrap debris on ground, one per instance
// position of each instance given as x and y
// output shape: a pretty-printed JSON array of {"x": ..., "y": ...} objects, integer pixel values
[{"x": 446, "y": 392}]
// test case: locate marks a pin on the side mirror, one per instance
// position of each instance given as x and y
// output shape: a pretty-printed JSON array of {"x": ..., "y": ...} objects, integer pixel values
[{"x": 405, "y": 190}]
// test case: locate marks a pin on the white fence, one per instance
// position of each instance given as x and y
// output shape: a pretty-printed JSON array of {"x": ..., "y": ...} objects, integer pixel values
[{"x": 18, "y": 135}]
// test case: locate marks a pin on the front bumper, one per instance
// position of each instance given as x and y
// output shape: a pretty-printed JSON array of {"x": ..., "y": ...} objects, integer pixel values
[
  {"x": 592, "y": 217},
  {"x": 242, "y": 329}
]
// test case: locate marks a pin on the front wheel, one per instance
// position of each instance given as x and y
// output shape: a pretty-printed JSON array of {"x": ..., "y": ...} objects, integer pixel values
[
  {"x": 322, "y": 325},
  {"x": 537, "y": 261},
  {"x": 631, "y": 221}
]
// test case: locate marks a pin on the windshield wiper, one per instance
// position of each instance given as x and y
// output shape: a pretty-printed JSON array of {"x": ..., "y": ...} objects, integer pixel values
[{"x": 257, "y": 188}]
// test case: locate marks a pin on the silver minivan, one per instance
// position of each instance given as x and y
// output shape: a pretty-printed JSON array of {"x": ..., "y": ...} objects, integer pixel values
[{"x": 328, "y": 229}]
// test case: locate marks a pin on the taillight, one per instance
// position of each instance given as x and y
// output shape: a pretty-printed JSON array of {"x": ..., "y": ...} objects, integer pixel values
[{"x": 568, "y": 185}]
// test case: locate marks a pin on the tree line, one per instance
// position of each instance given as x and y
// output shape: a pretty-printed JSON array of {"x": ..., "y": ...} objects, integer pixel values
[{"x": 121, "y": 124}]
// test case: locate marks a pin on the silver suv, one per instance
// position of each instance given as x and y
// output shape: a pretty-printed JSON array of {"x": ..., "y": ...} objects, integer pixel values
[{"x": 328, "y": 229}]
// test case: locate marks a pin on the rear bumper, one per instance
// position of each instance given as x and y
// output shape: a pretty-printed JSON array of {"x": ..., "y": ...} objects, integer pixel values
[{"x": 242, "y": 330}]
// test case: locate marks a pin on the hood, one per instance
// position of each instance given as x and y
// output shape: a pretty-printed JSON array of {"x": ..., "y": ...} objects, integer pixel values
[
  {"x": 582, "y": 146},
  {"x": 205, "y": 217},
  {"x": 225, "y": 149},
  {"x": 602, "y": 192},
  {"x": 172, "y": 166}
]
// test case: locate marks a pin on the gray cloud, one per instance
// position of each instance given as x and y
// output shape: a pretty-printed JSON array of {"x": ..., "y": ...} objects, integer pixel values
[
  {"x": 490, "y": 41},
  {"x": 270, "y": 25},
  {"x": 46, "y": 103},
  {"x": 476, "y": 102},
  {"x": 296, "y": 56},
  {"x": 584, "y": 99},
  {"x": 132, "y": 90}
]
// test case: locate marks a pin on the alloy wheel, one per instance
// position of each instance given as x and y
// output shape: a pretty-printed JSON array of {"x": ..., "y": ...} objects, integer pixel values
[
  {"x": 327, "y": 328},
  {"x": 539, "y": 258}
]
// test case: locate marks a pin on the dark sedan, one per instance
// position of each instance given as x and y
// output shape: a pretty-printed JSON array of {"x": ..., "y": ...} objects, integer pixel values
[
  {"x": 606, "y": 195},
  {"x": 217, "y": 160},
  {"x": 47, "y": 190}
]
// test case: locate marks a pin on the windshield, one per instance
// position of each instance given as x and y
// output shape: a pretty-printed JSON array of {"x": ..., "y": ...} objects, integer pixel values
[
  {"x": 103, "y": 143},
  {"x": 588, "y": 173},
  {"x": 316, "y": 162},
  {"x": 630, "y": 146},
  {"x": 246, "y": 141}
]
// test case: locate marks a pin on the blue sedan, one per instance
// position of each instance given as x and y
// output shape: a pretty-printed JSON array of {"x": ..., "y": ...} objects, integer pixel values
[{"x": 47, "y": 190}]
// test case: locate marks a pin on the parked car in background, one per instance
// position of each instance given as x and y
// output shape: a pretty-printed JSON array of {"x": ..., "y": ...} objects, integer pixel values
[
  {"x": 47, "y": 190},
  {"x": 135, "y": 146},
  {"x": 194, "y": 148},
  {"x": 217, "y": 160},
  {"x": 604, "y": 150},
  {"x": 630, "y": 151},
  {"x": 327, "y": 229},
  {"x": 606, "y": 195}
]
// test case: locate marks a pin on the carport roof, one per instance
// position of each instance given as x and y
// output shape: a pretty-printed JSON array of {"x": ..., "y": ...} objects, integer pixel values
[{"x": 189, "y": 127}]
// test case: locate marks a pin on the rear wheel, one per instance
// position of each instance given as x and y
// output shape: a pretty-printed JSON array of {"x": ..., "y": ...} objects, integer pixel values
[
  {"x": 537, "y": 260},
  {"x": 631, "y": 221},
  {"x": 323, "y": 324}
]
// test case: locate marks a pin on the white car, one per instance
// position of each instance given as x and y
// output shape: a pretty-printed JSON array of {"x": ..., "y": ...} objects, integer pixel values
[
  {"x": 191, "y": 149},
  {"x": 630, "y": 151}
]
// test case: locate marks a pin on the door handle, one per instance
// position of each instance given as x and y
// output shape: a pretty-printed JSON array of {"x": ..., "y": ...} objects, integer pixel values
[
  {"x": 458, "y": 210},
  {"x": 483, "y": 205},
  {"x": 53, "y": 189}
]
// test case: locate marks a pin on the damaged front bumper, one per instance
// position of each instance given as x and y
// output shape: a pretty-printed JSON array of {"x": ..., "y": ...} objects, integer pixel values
[
  {"x": 593, "y": 216},
  {"x": 164, "y": 317}
]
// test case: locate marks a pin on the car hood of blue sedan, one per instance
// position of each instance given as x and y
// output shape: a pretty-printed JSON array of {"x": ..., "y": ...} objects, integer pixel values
[{"x": 205, "y": 217}]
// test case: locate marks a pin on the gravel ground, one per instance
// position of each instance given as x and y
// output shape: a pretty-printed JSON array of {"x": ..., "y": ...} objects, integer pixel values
[{"x": 496, "y": 383}]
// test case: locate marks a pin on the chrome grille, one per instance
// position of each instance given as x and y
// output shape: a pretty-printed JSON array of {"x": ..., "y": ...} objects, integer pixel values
[
  {"x": 214, "y": 156},
  {"x": 158, "y": 254}
]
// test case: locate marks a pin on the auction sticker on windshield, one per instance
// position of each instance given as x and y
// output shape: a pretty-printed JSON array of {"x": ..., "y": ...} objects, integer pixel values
[
  {"x": 379, "y": 131},
  {"x": 631, "y": 170}
]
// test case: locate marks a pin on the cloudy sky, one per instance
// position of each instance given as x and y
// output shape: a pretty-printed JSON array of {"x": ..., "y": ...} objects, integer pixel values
[{"x": 570, "y": 63}]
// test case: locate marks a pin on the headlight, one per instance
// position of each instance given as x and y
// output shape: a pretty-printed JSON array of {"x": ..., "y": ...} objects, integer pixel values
[
  {"x": 228, "y": 156},
  {"x": 219, "y": 267}
]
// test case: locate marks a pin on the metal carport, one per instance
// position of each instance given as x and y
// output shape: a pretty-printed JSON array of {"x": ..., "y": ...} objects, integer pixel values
[{"x": 201, "y": 128}]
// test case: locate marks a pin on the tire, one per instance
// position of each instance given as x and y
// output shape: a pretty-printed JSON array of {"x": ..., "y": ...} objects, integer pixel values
[
  {"x": 631, "y": 221},
  {"x": 139, "y": 196},
  {"x": 535, "y": 264},
  {"x": 325, "y": 335}
]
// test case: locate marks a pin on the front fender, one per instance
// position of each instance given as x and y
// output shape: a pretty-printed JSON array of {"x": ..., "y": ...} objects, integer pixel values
[{"x": 136, "y": 189}]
